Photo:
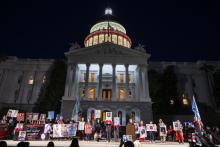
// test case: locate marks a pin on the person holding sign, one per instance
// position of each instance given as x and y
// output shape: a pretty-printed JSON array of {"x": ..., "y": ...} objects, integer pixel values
[
  {"x": 88, "y": 130},
  {"x": 108, "y": 123},
  {"x": 116, "y": 128},
  {"x": 130, "y": 129},
  {"x": 142, "y": 132},
  {"x": 162, "y": 130},
  {"x": 151, "y": 129},
  {"x": 179, "y": 131}
]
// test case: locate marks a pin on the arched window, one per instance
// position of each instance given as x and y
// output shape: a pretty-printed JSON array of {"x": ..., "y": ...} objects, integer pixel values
[
  {"x": 120, "y": 116},
  {"x": 31, "y": 80},
  {"x": 83, "y": 92},
  {"x": 121, "y": 94},
  {"x": 92, "y": 93}
]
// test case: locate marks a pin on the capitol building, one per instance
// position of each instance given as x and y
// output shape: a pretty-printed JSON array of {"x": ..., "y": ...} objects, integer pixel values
[{"x": 107, "y": 74}]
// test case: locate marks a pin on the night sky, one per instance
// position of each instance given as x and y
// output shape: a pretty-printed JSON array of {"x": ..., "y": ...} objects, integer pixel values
[{"x": 172, "y": 30}]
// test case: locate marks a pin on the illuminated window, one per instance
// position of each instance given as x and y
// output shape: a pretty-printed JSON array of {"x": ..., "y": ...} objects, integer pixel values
[
  {"x": 83, "y": 92},
  {"x": 121, "y": 78},
  {"x": 114, "y": 39},
  {"x": 92, "y": 93},
  {"x": 84, "y": 77},
  {"x": 101, "y": 38},
  {"x": 121, "y": 94},
  {"x": 95, "y": 40},
  {"x": 106, "y": 37},
  {"x": 125, "y": 42},
  {"x": 31, "y": 80},
  {"x": 120, "y": 42},
  {"x": 44, "y": 79},
  {"x": 90, "y": 41},
  {"x": 185, "y": 101},
  {"x": 92, "y": 77},
  {"x": 106, "y": 94}
]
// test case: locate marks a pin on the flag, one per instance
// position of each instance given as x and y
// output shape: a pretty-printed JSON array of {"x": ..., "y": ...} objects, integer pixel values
[
  {"x": 195, "y": 109},
  {"x": 76, "y": 110}
]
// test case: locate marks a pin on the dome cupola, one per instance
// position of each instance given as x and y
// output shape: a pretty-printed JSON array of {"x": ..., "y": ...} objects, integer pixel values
[{"x": 107, "y": 30}]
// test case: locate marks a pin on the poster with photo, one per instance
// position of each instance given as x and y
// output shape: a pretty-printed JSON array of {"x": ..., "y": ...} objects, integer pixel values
[
  {"x": 20, "y": 117},
  {"x": 12, "y": 113},
  {"x": 22, "y": 136},
  {"x": 51, "y": 115},
  {"x": 81, "y": 125},
  {"x": 127, "y": 138},
  {"x": 34, "y": 131},
  {"x": 116, "y": 121},
  {"x": 42, "y": 117},
  {"x": 35, "y": 116},
  {"x": 71, "y": 129},
  {"x": 109, "y": 116},
  {"x": 151, "y": 127},
  {"x": 176, "y": 126},
  {"x": 57, "y": 130},
  {"x": 163, "y": 130},
  {"x": 136, "y": 126},
  {"x": 142, "y": 131},
  {"x": 97, "y": 114}
]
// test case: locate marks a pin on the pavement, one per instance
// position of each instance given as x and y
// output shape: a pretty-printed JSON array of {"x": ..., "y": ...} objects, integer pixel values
[{"x": 62, "y": 143}]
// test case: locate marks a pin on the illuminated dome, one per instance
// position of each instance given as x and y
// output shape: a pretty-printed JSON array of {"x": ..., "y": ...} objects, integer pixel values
[{"x": 107, "y": 31}]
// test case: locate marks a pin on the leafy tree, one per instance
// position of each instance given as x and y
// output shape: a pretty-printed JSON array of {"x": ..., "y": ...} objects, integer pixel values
[{"x": 53, "y": 90}]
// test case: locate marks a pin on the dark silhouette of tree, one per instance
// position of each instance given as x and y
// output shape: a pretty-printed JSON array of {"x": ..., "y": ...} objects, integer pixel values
[{"x": 53, "y": 89}]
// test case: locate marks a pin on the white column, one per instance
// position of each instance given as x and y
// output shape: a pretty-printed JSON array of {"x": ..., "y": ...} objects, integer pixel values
[
  {"x": 140, "y": 82},
  {"x": 126, "y": 82},
  {"x": 100, "y": 82},
  {"x": 146, "y": 85},
  {"x": 67, "y": 81},
  {"x": 114, "y": 97},
  {"x": 73, "y": 82},
  {"x": 87, "y": 82}
]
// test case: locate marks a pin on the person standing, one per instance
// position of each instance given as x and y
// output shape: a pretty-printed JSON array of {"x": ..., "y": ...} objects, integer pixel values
[
  {"x": 179, "y": 133},
  {"x": 162, "y": 131},
  {"x": 170, "y": 133},
  {"x": 88, "y": 130},
  {"x": 151, "y": 132}
]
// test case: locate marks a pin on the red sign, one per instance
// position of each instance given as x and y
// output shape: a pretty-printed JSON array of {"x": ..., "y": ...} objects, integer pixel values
[{"x": 20, "y": 117}]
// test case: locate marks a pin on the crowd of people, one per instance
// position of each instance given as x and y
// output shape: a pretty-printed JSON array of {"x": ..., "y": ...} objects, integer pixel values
[{"x": 193, "y": 132}]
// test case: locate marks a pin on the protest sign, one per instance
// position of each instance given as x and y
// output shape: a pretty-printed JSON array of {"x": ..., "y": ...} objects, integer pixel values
[
  {"x": 142, "y": 131},
  {"x": 34, "y": 131},
  {"x": 20, "y": 117},
  {"x": 116, "y": 121},
  {"x": 151, "y": 127},
  {"x": 127, "y": 138},
  {"x": 81, "y": 125},
  {"x": 22, "y": 136},
  {"x": 12, "y": 113},
  {"x": 97, "y": 113}
]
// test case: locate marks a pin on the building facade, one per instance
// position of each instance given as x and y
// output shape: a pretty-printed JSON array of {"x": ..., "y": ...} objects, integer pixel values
[{"x": 106, "y": 74}]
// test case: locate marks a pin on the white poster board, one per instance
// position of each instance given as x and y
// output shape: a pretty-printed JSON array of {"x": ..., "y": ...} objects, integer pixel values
[
  {"x": 151, "y": 127},
  {"x": 108, "y": 116},
  {"x": 116, "y": 121},
  {"x": 176, "y": 126},
  {"x": 81, "y": 125},
  {"x": 142, "y": 131},
  {"x": 12, "y": 113},
  {"x": 97, "y": 114}
]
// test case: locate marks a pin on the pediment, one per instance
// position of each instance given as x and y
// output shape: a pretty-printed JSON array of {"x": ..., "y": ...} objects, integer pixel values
[
  {"x": 106, "y": 52},
  {"x": 107, "y": 49}
]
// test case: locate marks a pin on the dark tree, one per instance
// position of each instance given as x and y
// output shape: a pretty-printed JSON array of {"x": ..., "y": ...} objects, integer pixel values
[
  {"x": 217, "y": 87},
  {"x": 53, "y": 89}
]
